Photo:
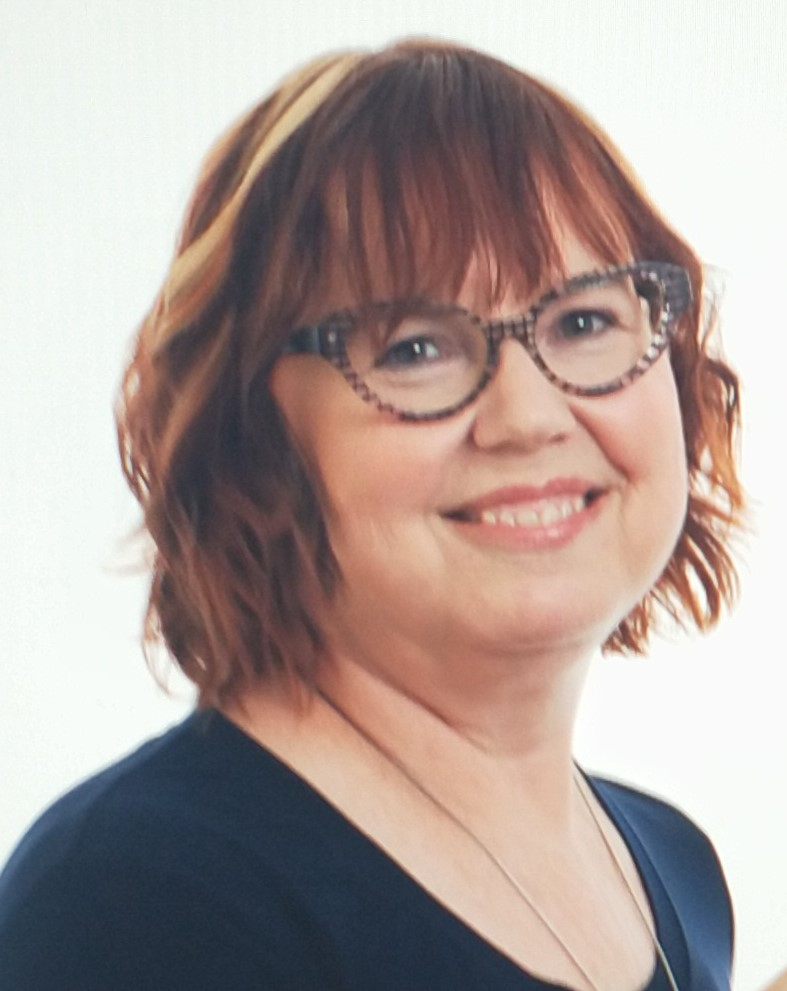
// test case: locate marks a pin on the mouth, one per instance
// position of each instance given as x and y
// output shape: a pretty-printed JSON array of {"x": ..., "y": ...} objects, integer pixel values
[{"x": 529, "y": 513}]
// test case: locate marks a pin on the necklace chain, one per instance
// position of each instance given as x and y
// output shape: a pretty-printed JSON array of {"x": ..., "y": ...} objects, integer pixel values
[
  {"x": 660, "y": 952},
  {"x": 500, "y": 866}
]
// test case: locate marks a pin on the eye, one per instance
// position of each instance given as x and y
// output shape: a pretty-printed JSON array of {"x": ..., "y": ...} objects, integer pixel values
[
  {"x": 409, "y": 343},
  {"x": 579, "y": 324},
  {"x": 420, "y": 348},
  {"x": 437, "y": 339}
]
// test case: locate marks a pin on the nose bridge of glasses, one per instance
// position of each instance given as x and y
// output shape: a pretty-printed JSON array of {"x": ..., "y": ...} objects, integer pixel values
[
  {"x": 521, "y": 329},
  {"x": 524, "y": 399},
  {"x": 518, "y": 328}
]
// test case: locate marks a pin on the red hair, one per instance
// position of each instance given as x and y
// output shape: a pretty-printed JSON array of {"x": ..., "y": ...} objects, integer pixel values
[{"x": 395, "y": 168}]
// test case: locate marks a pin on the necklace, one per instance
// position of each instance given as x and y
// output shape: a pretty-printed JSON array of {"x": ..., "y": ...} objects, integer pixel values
[
  {"x": 582, "y": 788},
  {"x": 500, "y": 866}
]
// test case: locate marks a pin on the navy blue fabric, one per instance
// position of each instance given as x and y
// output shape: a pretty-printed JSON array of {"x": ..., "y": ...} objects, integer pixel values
[{"x": 201, "y": 862}]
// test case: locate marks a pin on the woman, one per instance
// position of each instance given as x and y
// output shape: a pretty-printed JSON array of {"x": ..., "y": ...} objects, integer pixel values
[{"x": 389, "y": 535}]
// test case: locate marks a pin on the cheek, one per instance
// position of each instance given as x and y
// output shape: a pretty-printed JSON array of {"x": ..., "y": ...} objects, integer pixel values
[
  {"x": 660, "y": 431},
  {"x": 641, "y": 430},
  {"x": 366, "y": 468},
  {"x": 383, "y": 475}
]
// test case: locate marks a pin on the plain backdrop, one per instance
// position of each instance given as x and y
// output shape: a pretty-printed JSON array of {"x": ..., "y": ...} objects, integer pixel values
[{"x": 106, "y": 108}]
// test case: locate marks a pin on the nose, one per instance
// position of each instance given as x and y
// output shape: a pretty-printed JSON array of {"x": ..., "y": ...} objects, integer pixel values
[{"x": 520, "y": 407}]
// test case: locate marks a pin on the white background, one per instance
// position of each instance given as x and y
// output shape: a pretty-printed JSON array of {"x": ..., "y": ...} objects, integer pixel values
[{"x": 106, "y": 109}]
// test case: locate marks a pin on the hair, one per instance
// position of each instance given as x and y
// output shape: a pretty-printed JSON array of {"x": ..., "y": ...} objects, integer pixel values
[{"x": 393, "y": 169}]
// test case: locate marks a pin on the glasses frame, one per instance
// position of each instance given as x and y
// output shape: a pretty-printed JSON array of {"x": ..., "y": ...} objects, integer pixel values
[{"x": 326, "y": 337}]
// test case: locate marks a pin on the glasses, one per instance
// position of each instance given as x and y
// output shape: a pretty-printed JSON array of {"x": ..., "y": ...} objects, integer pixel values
[{"x": 422, "y": 360}]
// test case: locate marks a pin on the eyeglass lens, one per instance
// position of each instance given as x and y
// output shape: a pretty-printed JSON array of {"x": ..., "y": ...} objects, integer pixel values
[{"x": 421, "y": 357}]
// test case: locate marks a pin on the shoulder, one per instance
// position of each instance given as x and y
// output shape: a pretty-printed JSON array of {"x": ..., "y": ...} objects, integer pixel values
[
  {"x": 658, "y": 823},
  {"x": 145, "y": 871},
  {"x": 676, "y": 856},
  {"x": 144, "y": 795}
]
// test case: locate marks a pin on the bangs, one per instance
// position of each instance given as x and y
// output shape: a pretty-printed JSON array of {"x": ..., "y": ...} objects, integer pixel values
[
  {"x": 440, "y": 162},
  {"x": 366, "y": 177}
]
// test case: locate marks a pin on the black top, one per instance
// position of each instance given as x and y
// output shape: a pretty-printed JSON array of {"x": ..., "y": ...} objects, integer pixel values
[{"x": 202, "y": 862}]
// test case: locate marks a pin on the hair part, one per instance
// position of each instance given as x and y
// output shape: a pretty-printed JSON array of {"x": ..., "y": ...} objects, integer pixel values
[{"x": 385, "y": 174}]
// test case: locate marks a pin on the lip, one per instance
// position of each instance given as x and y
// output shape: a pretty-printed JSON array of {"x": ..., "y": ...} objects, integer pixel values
[
  {"x": 530, "y": 516},
  {"x": 513, "y": 495}
]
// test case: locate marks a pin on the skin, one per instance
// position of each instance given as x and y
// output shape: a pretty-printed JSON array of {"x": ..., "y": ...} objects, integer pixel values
[
  {"x": 445, "y": 611},
  {"x": 780, "y": 984},
  {"x": 462, "y": 644}
]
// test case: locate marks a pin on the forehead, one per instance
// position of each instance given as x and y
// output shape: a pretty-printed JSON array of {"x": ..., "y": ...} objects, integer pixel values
[
  {"x": 484, "y": 294},
  {"x": 453, "y": 256},
  {"x": 426, "y": 164}
]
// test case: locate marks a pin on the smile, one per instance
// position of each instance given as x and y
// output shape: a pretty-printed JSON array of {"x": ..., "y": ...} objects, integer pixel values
[
  {"x": 531, "y": 518},
  {"x": 544, "y": 513}
]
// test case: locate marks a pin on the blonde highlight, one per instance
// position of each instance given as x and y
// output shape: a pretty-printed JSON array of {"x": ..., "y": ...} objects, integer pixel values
[{"x": 393, "y": 169}]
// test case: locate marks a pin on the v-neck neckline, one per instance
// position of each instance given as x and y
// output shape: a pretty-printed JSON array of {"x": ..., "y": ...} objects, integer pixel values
[{"x": 453, "y": 926}]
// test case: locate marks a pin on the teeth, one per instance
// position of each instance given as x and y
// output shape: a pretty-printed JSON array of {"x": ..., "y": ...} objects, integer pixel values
[
  {"x": 528, "y": 517},
  {"x": 551, "y": 514},
  {"x": 545, "y": 513}
]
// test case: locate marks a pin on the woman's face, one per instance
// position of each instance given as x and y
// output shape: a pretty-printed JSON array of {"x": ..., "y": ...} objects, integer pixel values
[{"x": 530, "y": 520}]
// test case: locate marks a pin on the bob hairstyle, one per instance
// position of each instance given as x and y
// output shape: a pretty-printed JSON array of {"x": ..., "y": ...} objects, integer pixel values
[{"x": 389, "y": 173}]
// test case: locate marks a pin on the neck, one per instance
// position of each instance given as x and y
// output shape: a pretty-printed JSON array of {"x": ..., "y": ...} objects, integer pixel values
[{"x": 480, "y": 728}]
